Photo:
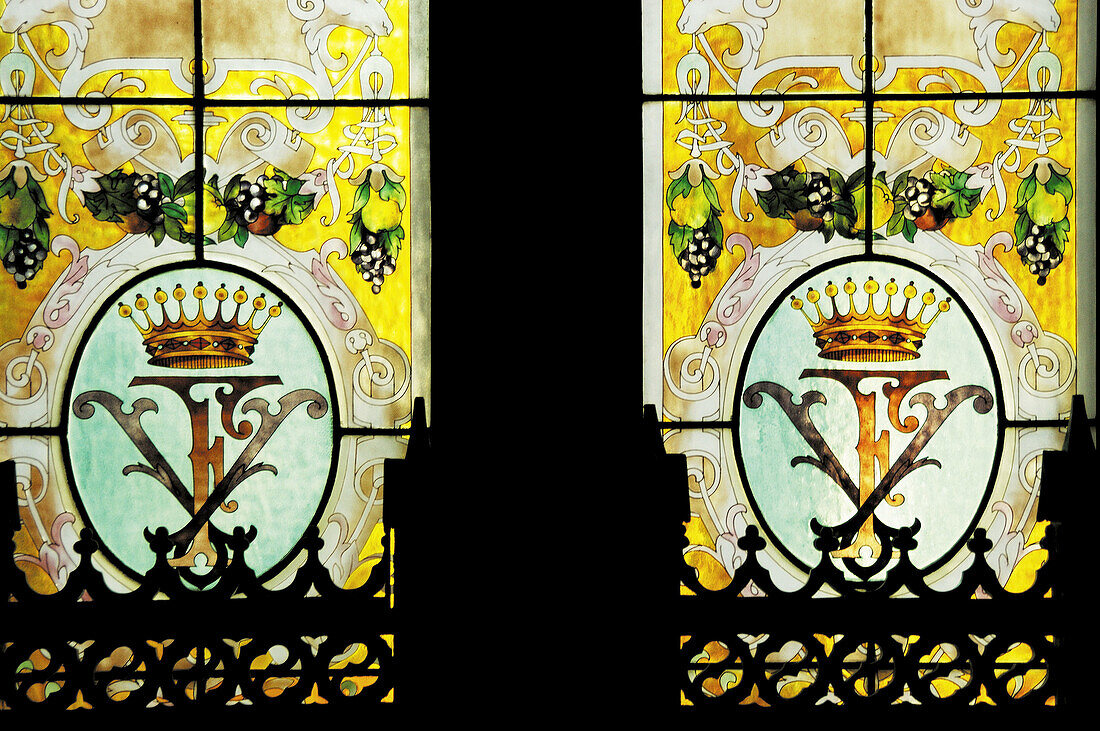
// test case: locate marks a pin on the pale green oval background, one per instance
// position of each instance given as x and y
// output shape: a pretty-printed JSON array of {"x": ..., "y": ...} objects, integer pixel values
[
  {"x": 120, "y": 507},
  {"x": 945, "y": 499}
]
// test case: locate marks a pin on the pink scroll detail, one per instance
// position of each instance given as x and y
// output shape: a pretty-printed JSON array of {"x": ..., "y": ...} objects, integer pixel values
[
  {"x": 1024, "y": 333},
  {"x": 1000, "y": 294},
  {"x": 59, "y": 309},
  {"x": 731, "y": 306},
  {"x": 332, "y": 292},
  {"x": 55, "y": 557}
]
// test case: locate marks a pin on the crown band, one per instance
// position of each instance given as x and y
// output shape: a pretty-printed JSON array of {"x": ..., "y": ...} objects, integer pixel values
[{"x": 868, "y": 335}]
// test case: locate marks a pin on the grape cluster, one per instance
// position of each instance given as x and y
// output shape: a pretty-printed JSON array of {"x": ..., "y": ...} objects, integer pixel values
[
  {"x": 1039, "y": 252},
  {"x": 820, "y": 195},
  {"x": 372, "y": 262},
  {"x": 247, "y": 206},
  {"x": 700, "y": 256},
  {"x": 918, "y": 197},
  {"x": 25, "y": 258},
  {"x": 148, "y": 197}
]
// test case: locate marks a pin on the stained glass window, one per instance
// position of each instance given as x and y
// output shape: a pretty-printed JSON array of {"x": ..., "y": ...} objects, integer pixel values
[
  {"x": 870, "y": 306},
  {"x": 213, "y": 326}
]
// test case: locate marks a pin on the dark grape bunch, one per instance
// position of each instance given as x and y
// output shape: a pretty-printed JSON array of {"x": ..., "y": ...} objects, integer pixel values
[
  {"x": 820, "y": 195},
  {"x": 148, "y": 196},
  {"x": 700, "y": 256},
  {"x": 372, "y": 262},
  {"x": 248, "y": 205},
  {"x": 26, "y": 257},
  {"x": 1039, "y": 252},
  {"x": 918, "y": 197}
]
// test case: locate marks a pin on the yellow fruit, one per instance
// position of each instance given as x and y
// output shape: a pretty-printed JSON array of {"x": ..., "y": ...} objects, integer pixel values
[
  {"x": 882, "y": 205},
  {"x": 18, "y": 212},
  {"x": 379, "y": 215},
  {"x": 1046, "y": 208},
  {"x": 693, "y": 210},
  {"x": 213, "y": 213}
]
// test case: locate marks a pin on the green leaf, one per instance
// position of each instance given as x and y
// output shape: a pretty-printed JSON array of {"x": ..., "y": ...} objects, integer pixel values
[
  {"x": 392, "y": 191},
  {"x": 174, "y": 210},
  {"x": 362, "y": 197},
  {"x": 356, "y": 236},
  {"x": 174, "y": 229},
  {"x": 783, "y": 201},
  {"x": 939, "y": 181},
  {"x": 1059, "y": 183},
  {"x": 290, "y": 208},
  {"x": 299, "y": 207},
  {"x": 8, "y": 187},
  {"x": 1061, "y": 234},
  {"x": 957, "y": 203},
  {"x": 391, "y": 241},
  {"x": 900, "y": 183},
  {"x": 909, "y": 230},
  {"x": 896, "y": 223},
  {"x": 1026, "y": 191},
  {"x": 845, "y": 226},
  {"x": 712, "y": 195},
  {"x": 1023, "y": 226},
  {"x": 678, "y": 238},
  {"x": 241, "y": 236},
  {"x": 677, "y": 188},
  {"x": 185, "y": 185},
  {"x": 845, "y": 207},
  {"x": 157, "y": 232},
  {"x": 838, "y": 183},
  {"x": 167, "y": 187},
  {"x": 8, "y": 237},
  {"x": 233, "y": 187},
  {"x": 114, "y": 199},
  {"x": 41, "y": 232},
  {"x": 293, "y": 185},
  {"x": 228, "y": 229},
  {"x": 714, "y": 228},
  {"x": 41, "y": 203}
]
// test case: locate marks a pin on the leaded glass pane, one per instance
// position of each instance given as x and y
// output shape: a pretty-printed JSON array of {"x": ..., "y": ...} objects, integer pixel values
[
  {"x": 214, "y": 325},
  {"x": 68, "y": 49},
  {"x": 774, "y": 47},
  {"x": 361, "y": 49},
  {"x": 981, "y": 47}
]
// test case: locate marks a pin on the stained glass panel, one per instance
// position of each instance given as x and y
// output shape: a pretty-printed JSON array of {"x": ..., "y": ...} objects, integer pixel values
[
  {"x": 838, "y": 277},
  {"x": 213, "y": 324}
]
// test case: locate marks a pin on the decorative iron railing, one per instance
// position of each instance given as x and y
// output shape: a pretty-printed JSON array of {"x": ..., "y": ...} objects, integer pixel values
[
  {"x": 896, "y": 641},
  {"x": 231, "y": 643}
]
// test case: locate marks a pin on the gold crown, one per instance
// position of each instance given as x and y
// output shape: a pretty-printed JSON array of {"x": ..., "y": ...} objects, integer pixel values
[
  {"x": 869, "y": 336},
  {"x": 200, "y": 341}
]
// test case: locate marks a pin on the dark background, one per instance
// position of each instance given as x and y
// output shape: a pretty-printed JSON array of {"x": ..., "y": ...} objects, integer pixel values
[{"x": 544, "y": 569}]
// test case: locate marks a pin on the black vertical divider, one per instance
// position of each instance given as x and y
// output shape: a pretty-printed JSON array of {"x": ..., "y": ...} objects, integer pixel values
[{"x": 539, "y": 567}]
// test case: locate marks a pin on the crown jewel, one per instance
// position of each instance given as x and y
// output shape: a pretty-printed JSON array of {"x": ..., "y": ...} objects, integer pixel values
[
  {"x": 868, "y": 335},
  {"x": 221, "y": 341}
]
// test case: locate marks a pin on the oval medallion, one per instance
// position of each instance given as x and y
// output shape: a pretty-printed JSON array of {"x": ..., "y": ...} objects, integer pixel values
[
  {"x": 868, "y": 403},
  {"x": 199, "y": 403}
]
